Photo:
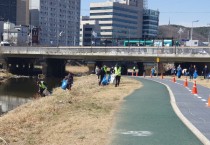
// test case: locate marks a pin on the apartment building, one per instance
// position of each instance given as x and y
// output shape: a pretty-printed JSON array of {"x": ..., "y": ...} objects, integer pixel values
[
  {"x": 118, "y": 18},
  {"x": 58, "y": 21}
]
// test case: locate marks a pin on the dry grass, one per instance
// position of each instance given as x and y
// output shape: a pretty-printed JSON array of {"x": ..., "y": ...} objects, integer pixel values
[
  {"x": 5, "y": 74},
  {"x": 82, "y": 116},
  {"x": 77, "y": 69},
  {"x": 204, "y": 82}
]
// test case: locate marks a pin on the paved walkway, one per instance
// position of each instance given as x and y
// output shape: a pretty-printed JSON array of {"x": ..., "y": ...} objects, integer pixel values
[
  {"x": 147, "y": 118},
  {"x": 192, "y": 109}
]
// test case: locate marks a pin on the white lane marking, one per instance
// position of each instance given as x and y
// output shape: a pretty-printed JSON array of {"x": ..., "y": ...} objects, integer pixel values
[
  {"x": 204, "y": 100},
  {"x": 137, "y": 133}
]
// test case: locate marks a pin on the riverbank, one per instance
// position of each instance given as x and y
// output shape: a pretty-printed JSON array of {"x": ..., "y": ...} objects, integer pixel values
[
  {"x": 4, "y": 75},
  {"x": 81, "y": 116}
]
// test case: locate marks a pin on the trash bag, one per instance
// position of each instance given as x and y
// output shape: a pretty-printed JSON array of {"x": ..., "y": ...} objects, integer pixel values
[
  {"x": 64, "y": 84},
  {"x": 104, "y": 81},
  {"x": 113, "y": 76},
  {"x": 195, "y": 75},
  {"x": 208, "y": 76},
  {"x": 109, "y": 78},
  {"x": 179, "y": 74},
  {"x": 46, "y": 92}
]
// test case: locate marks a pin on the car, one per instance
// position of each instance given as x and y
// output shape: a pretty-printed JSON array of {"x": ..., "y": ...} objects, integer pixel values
[
  {"x": 5, "y": 43},
  {"x": 202, "y": 52}
]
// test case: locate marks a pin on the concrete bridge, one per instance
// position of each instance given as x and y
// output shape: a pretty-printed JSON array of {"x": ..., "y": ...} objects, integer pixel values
[{"x": 54, "y": 57}]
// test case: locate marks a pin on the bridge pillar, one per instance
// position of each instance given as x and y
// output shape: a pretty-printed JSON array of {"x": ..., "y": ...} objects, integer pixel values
[
  {"x": 4, "y": 64},
  {"x": 99, "y": 63},
  {"x": 140, "y": 66},
  {"x": 19, "y": 66},
  {"x": 161, "y": 68},
  {"x": 91, "y": 65},
  {"x": 124, "y": 67},
  {"x": 53, "y": 67},
  {"x": 1, "y": 110}
]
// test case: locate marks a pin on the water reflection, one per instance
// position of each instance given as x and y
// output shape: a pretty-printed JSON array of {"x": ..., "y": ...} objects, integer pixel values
[
  {"x": 17, "y": 91},
  {"x": 10, "y": 102}
]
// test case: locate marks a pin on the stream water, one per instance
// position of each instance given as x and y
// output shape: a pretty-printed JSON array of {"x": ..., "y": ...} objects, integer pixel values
[{"x": 17, "y": 91}]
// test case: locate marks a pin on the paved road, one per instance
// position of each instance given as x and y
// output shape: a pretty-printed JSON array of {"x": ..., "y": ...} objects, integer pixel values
[{"x": 147, "y": 118}]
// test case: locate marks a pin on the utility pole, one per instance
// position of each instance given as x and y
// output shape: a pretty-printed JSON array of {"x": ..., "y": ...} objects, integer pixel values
[
  {"x": 191, "y": 38},
  {"x": 8, "y": 30},
  {"x": 208, "y": 34}
]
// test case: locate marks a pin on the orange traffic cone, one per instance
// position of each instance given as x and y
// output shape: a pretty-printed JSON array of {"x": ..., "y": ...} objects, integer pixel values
[
  {"x": 161, "y": 76},
  {"x": 186, "y": 83},
  {"x": 209, "y": 102},
  {"x": 174, "y": 79},
  {"x": 194, "y": 89}
]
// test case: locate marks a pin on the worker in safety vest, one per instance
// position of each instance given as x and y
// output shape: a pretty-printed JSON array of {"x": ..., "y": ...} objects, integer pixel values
[
  {"x": 42, "y": 86},
  {"x": 102, "y": 74},
  {"x": 117, "y": 71},
  {"x": 134, "y": 69}
]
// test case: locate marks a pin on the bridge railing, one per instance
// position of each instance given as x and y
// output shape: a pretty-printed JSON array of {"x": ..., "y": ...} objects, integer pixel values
[{"x": 185, "y": 51}]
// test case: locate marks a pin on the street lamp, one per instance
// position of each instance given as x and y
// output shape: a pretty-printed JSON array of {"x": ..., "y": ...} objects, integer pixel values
[
  {"x": 192, "y": 29},
  {"x": 59, "y": 35}
]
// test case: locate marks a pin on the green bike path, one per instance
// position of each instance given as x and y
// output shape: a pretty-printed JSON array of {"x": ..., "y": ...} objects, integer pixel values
[{"x": 147, "y": 118}]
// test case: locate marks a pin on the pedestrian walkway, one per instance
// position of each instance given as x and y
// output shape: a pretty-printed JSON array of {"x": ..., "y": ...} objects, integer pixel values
[
  {"x": 193, "y": 108},
  {"x": 147, "y": 118}
]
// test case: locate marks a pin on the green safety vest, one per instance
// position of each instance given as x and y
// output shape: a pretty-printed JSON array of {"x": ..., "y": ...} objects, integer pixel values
[
  {"x": 41, "y": 85},
  {"x": 118, "y": 71},
  {"x": 105, "y": 69}
]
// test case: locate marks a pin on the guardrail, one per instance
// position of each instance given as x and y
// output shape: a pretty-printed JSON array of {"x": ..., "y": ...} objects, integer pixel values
[{"x": 142, "y": 51}]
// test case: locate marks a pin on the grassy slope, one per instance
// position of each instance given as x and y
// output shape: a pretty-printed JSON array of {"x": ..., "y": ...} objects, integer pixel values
[{"x": 79, "y": 117}]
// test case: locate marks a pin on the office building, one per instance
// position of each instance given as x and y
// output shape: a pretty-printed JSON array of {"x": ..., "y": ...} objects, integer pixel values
[
  {"x": 58, "y": 21},
  {"x": 150, "y": 23},
  {"x": 89, "y": 32},
  {"x": 15, "y": 11},
  {"x": 8, "y": 10},
  {"x": 22, "y": 12},
  {"x": 118, "y": 18}
]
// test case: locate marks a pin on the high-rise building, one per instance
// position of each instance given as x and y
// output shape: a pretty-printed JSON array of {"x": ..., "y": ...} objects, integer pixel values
[
  {"x": 118, "y": 18},
  {"x": 8, "y": 10},
  {"x": 58, "y": 21},
  {"x": 22, "y": 12},
  {"x": 150, "y": 23},
  {"x": 15, "y": 11}
]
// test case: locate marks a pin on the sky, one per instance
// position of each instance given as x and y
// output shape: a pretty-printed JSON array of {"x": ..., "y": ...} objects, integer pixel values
[{"x": 179, "y": 12}]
